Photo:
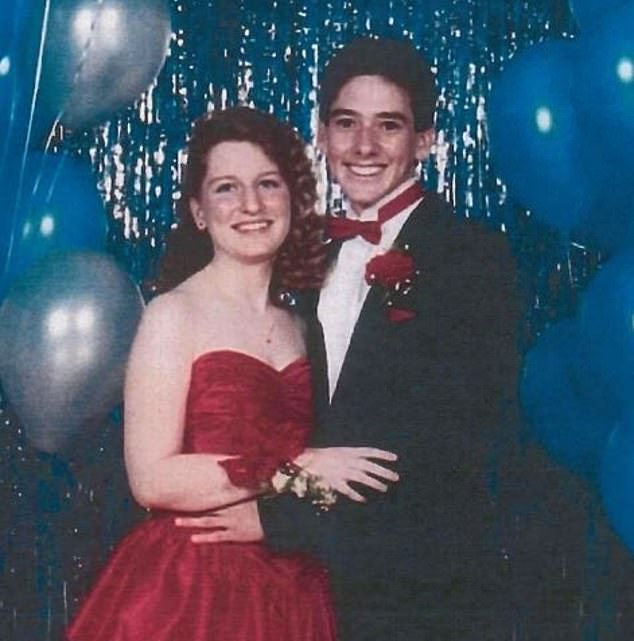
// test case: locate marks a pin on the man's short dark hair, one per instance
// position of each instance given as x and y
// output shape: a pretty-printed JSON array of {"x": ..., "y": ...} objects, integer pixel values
[{"x": 395, "y": 60}]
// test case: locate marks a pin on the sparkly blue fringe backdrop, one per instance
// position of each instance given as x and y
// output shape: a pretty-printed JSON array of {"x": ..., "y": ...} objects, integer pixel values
[{"x": 61, "y": 516}]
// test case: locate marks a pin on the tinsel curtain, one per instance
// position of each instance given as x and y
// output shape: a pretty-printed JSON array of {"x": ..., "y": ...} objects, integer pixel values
[{"x": 62, "y": 515}]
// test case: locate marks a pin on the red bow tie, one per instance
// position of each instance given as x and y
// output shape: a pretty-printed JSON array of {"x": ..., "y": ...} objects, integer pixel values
[
  {"x": 370, "y": 230},
  {"x": 346, "y": 228}
]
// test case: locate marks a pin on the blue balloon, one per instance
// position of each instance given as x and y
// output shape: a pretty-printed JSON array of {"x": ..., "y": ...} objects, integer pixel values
[
  {"x": 66, "y": 326},
  {"x": 590, "y": 12},
  {"x": 617, "y": 481},
  {"x": 14, "y": 106},
  {"x": 50, "y": 204},
  {"x": 15, "y": 17},
  {"x": 536, "y": 144},
  {"x": 8, "y": 93},
  {"x": 606, "y": 80},
  {"x": 7, "y": 76},
  {"x": 604, "y": 92},
  {"x": 568, "y": 417},
  {"x": 606, "y": 327}
]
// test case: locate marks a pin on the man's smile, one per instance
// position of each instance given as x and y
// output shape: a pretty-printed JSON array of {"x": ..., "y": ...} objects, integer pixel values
[{"x": 365, "y": 171}]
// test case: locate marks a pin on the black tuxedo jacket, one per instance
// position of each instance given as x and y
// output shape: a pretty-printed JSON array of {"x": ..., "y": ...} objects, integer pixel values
[{"x": 435, "y": 389}]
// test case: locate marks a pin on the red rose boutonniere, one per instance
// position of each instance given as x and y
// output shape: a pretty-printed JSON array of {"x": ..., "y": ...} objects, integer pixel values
[{"x": 394, "y": 271}]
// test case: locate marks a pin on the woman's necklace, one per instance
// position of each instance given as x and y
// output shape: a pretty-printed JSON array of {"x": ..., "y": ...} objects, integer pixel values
[{"x": 269, "y": 335}]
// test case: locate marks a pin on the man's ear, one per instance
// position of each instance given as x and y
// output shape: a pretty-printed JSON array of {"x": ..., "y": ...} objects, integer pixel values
[
  {"x": 424, "y": 142},
  {"x": 322, "y": 137}
]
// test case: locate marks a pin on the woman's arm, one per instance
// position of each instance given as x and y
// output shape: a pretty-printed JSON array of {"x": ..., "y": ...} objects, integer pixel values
[
  {"x": 157, "y": 383},
  {"x": 337, "y": 467}
]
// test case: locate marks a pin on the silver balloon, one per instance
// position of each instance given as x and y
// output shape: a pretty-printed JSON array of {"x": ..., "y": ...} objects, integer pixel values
[
  {"x": 66, "y": 327},
  {"x": 100, "y": 56}
]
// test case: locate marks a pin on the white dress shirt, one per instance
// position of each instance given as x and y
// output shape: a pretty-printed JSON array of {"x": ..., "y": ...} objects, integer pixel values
[{"x": 345, "y": 289}]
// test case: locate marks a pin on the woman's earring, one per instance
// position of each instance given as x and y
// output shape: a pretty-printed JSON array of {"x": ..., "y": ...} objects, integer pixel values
[{"x": 200, "y": 224}]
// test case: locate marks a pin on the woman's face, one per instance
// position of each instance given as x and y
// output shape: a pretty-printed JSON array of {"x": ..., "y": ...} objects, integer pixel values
[{"x": 243, "y": 202}]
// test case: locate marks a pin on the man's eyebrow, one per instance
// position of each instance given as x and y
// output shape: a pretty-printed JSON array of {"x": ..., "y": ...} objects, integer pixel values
[
  {"x": 383, "y": 115},
  {"x": 393, "y": 115},
  {"x": 343, "y": 112}
]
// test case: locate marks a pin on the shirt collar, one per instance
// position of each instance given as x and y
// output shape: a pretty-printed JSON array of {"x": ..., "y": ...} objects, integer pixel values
[{"x": 372, "y": 213}]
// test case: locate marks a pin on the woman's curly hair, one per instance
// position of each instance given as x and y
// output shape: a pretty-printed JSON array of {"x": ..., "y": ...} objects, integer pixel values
[{"x": 301, "y": 260}]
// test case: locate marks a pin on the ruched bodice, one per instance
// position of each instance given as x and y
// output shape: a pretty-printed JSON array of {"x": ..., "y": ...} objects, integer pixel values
[{"x": 236, "y": 401}]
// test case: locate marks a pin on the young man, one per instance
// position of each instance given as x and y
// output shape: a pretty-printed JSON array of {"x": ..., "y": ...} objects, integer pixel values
[{"x": 420, "y": 363}]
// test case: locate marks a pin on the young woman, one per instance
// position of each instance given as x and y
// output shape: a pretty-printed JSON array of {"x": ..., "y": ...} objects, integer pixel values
[{"x": 218, "y": 402}]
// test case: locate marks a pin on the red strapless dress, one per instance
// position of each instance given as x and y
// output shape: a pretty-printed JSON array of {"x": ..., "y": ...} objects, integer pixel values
[{"x": 158, "y": 586}]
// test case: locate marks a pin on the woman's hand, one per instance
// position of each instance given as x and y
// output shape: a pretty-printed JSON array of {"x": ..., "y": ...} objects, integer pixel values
[
  {"x": 337, "y": 467},
  {"x": 238, "y": 523}
]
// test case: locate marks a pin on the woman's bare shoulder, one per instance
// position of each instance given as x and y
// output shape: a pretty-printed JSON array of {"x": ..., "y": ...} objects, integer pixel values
[
  {"x": 167, "y": 309},
  {"x": 166, "y": 323},
  {"x": 179, "y": 301},
  {"x": 185, "y": 315}
]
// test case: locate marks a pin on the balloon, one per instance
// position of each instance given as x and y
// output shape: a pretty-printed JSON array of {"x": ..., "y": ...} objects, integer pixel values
[
  {"x": 607, "y": 90},
  {"x": 536, "y": 144},
  {"x": 15, "y": 14},
  {"x": 14, "y": 113},
  {"x": 617, "y": 481},
  {"x": 7, "y": 75},
  {"x": 589, "y": 12},
  {"x": 604, "y": 94},
  {"x": 606, "y": 326},
  {"x": 53, "y": 204},
  {"x": 13, "y": 110},
  {"x": 66, "y": 327},
  {"x": 570, "y": 420},
  {"x": 99, "y": 57}
]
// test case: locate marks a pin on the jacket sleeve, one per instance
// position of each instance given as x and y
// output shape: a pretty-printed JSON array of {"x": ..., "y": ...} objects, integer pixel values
[
  {"x": 291, "y": 524},
  {"x": 495, "y": 361}
]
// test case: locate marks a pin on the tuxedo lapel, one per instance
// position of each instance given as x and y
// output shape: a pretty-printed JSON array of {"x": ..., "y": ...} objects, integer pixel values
[{"x": 426, "y": 225}]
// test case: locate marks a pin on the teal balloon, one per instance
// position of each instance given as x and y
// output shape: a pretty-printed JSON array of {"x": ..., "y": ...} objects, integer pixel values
[
  {"x": 537, "y": 147},
  {"x": 66, "y": 326},
  {"x": 562, "y": 403},
  {"x": 98, "y": 57},
  {"x": 52, "y": 203},
  {"x": 617, "y": 481},
  {"x": 606, "y": 328}
]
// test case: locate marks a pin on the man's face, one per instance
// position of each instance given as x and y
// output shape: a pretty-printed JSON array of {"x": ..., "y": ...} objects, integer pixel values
[{"x": 369, "y": 141}]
